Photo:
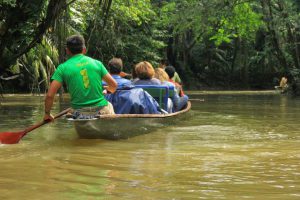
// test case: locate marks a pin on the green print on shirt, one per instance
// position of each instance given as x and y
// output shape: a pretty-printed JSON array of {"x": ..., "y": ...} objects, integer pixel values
[{"x": 85, "y": 78}]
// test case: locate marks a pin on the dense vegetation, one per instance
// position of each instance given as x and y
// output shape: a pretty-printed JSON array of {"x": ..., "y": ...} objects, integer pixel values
[{"x": 229, "y": 44}]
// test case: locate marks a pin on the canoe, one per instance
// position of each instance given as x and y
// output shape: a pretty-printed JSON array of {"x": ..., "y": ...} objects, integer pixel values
[{"x": 123, "y": 126}]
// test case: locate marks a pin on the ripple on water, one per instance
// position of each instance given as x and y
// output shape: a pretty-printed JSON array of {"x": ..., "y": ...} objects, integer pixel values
[{"x": 232, "y": 148}]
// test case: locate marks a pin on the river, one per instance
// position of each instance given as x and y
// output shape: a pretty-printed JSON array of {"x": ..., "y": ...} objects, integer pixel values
[{"x": 233, "y": 145}]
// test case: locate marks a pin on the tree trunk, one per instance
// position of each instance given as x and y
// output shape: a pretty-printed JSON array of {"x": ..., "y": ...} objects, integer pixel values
[
  {"x": 291, "y": 35},
  {"x": 268, "y": 13}
]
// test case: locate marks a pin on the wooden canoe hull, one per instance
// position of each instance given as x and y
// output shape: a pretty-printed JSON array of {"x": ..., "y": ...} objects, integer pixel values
[{"x": 123, "y": 126}]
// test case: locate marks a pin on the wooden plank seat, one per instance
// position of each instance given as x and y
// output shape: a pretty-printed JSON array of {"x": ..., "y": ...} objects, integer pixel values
[{"x": 160, "y": 93}]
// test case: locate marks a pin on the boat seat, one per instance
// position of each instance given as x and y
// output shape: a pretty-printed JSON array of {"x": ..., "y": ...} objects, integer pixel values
[{"x": 159, "y": 92}]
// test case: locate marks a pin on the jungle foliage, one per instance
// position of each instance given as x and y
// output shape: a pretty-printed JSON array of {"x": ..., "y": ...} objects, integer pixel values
[{"x": 228, "y": 44}]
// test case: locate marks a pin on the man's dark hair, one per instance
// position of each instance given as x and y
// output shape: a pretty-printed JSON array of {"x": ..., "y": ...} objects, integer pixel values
[
  {"x": 170, "y": 71},
  {"x": 115, "y": 65},
  {"x": 75, "y": 44}
]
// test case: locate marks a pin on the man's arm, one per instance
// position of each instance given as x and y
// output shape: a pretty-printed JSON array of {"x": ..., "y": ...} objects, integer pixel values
[
  {"x": 54, "y": 86},
  {"x": 111, "y": 83}
]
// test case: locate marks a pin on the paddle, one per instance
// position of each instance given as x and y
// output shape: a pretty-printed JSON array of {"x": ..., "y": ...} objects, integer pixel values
[
  {"x": 15, "y": 137},
  {"x": 196, "y": 100}
]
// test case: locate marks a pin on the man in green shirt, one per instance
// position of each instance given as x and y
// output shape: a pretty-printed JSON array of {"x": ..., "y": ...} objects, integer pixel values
[{"x": 83, "y": 76}]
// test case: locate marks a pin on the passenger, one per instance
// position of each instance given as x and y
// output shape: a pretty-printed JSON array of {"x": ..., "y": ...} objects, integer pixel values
[
  {"x": 161, "y": 75},
  {"x": 145, "y": 74},
  {"x": 115, "y": 66},
  {"x": 283, "y": 84},
  {"x": 163, "y": 64},
  {"x": 179, "y": 103},
  {"x": 170, "y": 70},
  {"x": 83, "y": 76},
  {"x": 127, "y": 99}
]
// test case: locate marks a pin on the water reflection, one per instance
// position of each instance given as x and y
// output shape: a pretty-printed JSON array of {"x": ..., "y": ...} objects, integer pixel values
[{"x": 232, "y": 147}]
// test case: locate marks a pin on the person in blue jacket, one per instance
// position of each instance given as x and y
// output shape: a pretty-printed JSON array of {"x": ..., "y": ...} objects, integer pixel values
[{"x": 115, "y": 67}]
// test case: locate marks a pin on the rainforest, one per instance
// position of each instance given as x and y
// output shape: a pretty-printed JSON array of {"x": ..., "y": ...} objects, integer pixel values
[{"x": 213, "y": 44}]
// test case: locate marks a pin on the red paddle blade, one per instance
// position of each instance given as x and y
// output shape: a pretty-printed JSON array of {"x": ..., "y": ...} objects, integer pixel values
[{"x": 11, "y": 137}]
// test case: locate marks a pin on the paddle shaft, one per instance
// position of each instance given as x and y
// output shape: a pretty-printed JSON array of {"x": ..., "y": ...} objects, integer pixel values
[
  {"x": 15, "y": 137},
  {"x": 31, "y": 128},
  {"x": 196, "y": 99}
]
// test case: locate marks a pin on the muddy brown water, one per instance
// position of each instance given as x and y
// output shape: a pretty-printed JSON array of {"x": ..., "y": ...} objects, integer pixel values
[{"x": 234, "y": 145}]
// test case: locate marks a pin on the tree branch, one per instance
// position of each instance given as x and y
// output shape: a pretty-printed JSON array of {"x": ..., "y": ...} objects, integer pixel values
[{"x": 54, "y": 9}]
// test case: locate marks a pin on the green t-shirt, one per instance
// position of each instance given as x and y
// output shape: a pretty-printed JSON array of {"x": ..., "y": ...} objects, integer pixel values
[
  {"x": 176, "y": 78},
  {"x": 83, "y": 77}
]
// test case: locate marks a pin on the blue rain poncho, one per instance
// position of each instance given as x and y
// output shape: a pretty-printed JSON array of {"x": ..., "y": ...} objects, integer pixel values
[{"x": 132, "y": 100}]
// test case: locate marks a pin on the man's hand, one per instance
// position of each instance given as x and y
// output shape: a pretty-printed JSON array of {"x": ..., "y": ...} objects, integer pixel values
[
  {"x": 48, "y": 117},
  {"x": 105, "y": 90}
]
